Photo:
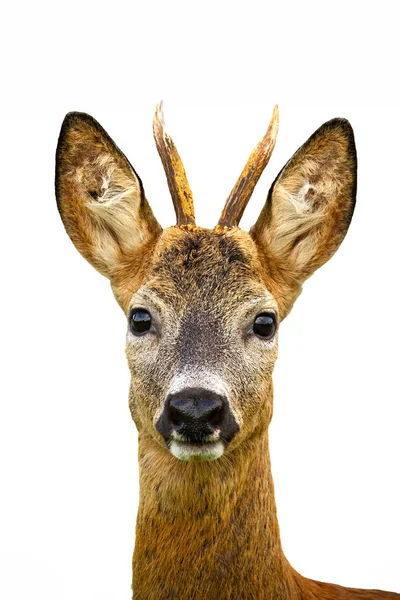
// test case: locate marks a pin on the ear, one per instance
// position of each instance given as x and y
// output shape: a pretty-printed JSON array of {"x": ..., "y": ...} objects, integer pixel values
[
  {"x": 310, "y": 204},
  {"x": 99, "y": 195}
]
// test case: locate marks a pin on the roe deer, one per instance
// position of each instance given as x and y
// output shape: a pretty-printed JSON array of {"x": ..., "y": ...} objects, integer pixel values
[{"x": 203, "y": 309}]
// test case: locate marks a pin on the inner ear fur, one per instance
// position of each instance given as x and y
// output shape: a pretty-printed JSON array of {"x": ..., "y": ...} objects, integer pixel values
[
  {"x": 99, "y": 195},
  {"x": 310, "y": 204}
]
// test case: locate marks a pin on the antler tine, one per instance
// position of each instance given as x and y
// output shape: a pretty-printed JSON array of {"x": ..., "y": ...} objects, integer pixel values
[
  {"x": 258, "y": 160},
  {"x": 174, "y": 170}
]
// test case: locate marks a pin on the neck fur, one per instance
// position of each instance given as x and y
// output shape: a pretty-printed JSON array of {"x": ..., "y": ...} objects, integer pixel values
[{"x": 208, "y": 529}]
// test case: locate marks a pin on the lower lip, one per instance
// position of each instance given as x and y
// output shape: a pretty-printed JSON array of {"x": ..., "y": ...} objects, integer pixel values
[{"x": 196, "y": 452}]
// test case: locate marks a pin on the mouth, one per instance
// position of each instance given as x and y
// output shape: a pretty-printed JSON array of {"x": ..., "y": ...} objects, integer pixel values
[{"x": 189, "y": 451}]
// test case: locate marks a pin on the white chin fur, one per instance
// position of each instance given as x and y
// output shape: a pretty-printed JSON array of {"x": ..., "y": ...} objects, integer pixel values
[{"x": 185, "y": 451}]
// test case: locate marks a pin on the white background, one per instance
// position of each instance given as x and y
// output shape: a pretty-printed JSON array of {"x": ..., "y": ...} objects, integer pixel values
[{"x": 68, "y": 470}]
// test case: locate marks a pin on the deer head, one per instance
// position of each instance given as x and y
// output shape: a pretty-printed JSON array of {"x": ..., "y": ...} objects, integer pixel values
[{"x": 203, "y": 306}]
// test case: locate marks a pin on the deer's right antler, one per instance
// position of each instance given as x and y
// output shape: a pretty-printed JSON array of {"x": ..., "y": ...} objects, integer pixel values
[{"x": 174, "y": 170}]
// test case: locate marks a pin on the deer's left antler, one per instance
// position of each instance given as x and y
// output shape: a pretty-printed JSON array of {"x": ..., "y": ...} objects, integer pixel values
[{"x": 258, "y": 160}]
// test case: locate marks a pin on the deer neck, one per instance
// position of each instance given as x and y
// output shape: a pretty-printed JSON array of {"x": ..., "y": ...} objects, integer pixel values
[{"x": 208, "y": 530}]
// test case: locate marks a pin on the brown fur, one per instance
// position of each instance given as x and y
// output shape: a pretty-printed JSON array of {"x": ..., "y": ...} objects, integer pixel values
[{"x": 208, "y": 530}]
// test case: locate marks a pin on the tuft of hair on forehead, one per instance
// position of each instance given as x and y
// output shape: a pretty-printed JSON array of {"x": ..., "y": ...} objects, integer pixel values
[{"x": 204, "y": 253}]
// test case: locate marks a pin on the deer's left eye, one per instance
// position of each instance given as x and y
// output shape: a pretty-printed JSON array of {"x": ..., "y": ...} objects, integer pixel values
[
  {"x": 265, "y": 325},
  {"x": 139, "y": 321}
]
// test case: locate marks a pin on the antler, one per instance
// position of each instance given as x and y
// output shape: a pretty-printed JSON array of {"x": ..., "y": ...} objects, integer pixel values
[
  {"x": 258, "y": 160},
  {"x": 174, "y": 170}
]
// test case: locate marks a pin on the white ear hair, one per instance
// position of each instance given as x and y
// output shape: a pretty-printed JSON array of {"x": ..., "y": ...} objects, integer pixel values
[{"x": 118, "y": 203}]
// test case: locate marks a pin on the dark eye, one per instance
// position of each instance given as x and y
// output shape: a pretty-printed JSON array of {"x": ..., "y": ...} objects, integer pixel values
[
  {"x": 265, "y": 325},
  {"x": 139, "y": 321}
]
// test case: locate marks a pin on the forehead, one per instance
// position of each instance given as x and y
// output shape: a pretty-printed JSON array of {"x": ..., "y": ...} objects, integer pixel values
[{"x": 207, "y": 266}]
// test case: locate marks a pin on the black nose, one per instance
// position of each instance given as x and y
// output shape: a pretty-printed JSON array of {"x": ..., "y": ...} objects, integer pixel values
[{"x": 195, "y": 414}]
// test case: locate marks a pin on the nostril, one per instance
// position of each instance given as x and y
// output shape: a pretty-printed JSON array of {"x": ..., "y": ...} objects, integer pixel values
[
  {"x": 175, "y": 412},
  {"x": 216, "y": 415}
]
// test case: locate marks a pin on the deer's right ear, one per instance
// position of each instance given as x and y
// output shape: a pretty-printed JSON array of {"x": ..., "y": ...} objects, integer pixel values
[{"x": 99, "y": 195}]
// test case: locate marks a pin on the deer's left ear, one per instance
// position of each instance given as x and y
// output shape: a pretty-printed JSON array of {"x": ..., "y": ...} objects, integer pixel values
[{"x": 311, "y": 202}]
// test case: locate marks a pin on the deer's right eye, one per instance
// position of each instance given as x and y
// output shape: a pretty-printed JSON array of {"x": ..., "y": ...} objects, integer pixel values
[{"x": 139, "y": 321}]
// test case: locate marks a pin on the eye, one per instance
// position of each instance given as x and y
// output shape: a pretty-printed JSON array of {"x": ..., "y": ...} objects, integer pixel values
[
  {"x": 265, "y": 325},
  {"x": 139, "y": 321}
]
